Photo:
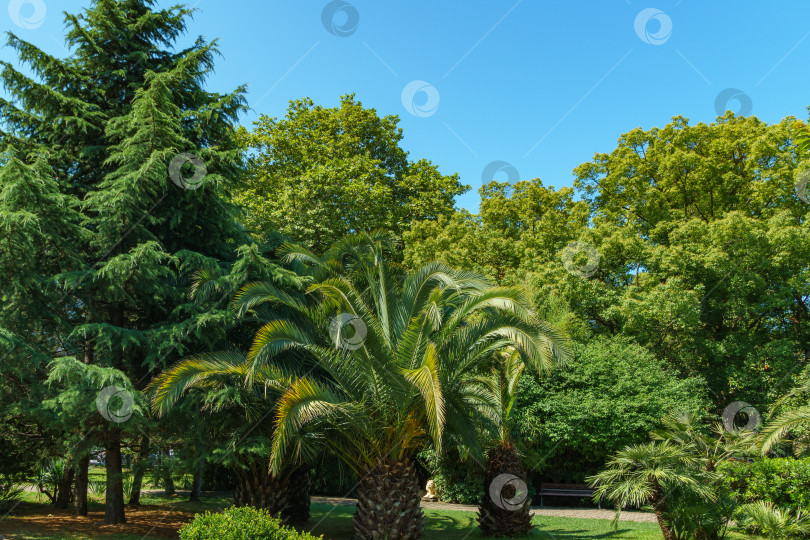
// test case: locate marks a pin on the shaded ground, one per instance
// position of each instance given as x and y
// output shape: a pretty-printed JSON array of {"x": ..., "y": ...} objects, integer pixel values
[
  {"x": 162, "y": 517},
  {"x": 31, "y": 520}
]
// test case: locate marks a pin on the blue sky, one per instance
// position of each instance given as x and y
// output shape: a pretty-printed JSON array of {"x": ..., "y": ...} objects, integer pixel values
[{"x": 539, "y": 85}]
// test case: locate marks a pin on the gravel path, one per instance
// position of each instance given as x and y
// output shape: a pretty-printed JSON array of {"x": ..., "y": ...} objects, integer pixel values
[{"x": 585, "y": 513}]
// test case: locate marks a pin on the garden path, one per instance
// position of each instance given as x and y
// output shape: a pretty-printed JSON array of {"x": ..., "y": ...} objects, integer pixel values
[{"x": 567, "y": 512}]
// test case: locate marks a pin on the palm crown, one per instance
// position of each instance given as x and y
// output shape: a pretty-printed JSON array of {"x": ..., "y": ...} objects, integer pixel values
[{"x": 424, "y": 335}]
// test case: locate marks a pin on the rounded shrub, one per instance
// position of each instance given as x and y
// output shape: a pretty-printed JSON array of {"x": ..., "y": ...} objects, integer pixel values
[
  {"x": 246, "y": 523},
  {"x": 785, "y": 482}
]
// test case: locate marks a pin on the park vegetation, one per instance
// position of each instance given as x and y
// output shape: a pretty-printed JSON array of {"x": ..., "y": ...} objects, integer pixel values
[{"x": 273, "y": 306}]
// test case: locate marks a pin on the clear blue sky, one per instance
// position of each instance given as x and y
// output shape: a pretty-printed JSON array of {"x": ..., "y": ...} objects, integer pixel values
[{"x": 540, "y": 85}]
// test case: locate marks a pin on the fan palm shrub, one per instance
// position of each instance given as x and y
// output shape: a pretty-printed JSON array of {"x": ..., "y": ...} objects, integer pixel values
[
  {"x": 676, "y": 474},
  {"x": 772, "y": 522},
  {"x": 390, "y": 356}
]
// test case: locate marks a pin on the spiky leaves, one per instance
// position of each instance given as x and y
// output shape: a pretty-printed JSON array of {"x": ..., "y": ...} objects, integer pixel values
[{"x": 376, "y": 401}]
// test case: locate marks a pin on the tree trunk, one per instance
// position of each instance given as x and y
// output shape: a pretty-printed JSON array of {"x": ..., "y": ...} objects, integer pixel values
[
  {"x": 298, "y": 485},
  {"x": 659, "y": 505},
  {"x": 81, "y": 486},
  {"x": 286, "y": 496},
  {"x": 168, "y": 482},
  {"x": 139, "y": 468},
  {"x": 388, "y": 503},
  {"x": 65, "y": 489},
  {"x": 504, "y": 508},
  {"x": 114, "y": 502},
  {"x": 196, "y": 485}
]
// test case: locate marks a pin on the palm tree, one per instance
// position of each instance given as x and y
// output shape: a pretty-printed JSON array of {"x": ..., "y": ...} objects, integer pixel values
[
  {"x": 773, "y": 522},
  {"x": 675, "y": 473},
  {"x": 236, "y": 411},
  {"x": 376, "y": 395},
  {"x": 505, "y": 511},
  {"x": 648, "y": 474},
  {"x": 781, "y": 427}
]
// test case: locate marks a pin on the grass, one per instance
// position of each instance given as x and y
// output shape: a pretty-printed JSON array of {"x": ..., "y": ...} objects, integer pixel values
[
  {"x": 336, "y": 523},
  {"x": 161, "y": 516}
]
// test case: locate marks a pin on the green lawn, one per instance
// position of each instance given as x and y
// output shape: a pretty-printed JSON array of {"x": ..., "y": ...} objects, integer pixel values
[{"x": 335, "y": 522}]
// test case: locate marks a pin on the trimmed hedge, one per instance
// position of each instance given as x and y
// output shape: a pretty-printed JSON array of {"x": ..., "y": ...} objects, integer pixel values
[
  {"x": 784, "y": 481},
  {"x": 246, "y": 523}
]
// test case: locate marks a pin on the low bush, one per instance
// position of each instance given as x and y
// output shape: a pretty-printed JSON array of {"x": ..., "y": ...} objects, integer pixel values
[
  {"x": 10, "y": 492},
  {"x": 785, "y": 482},
  {"x": 457, "y": 480},
  {"x": 245, "y": 523}
]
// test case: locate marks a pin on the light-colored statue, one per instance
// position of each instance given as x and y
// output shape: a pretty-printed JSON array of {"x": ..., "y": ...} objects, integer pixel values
[{"x": 431, "y": 494}]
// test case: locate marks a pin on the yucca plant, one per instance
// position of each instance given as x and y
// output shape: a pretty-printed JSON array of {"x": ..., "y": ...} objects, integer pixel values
[
  {"x": 772, "y": 522},
  {"x": 97, "y": 486},
  {"x": 402, "y": 378},
  {"x": 49, "y": 476}
]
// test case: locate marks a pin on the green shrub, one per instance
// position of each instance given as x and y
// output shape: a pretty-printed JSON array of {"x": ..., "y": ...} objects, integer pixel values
[
  {"x": 457, "y": 480},
  {"x": 245, "y": 523},
  {"x": 10, "y": 492},
  {"x": 785, "y": 482}
]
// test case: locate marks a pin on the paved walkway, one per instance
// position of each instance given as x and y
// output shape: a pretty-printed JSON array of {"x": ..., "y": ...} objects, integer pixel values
[{"x": 569, "y": 512}]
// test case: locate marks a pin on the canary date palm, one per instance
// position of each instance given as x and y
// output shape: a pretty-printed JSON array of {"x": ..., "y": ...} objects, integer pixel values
[{"x": 390, "y": 356}]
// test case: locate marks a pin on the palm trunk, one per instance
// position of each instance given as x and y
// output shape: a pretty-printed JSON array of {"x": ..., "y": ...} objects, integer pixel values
[
  {"x": 65, "y": 490},
  {"x": 504, "y": 508},
  {"x": 298, "y": 483},
  {"x": 139, "y": 468},
  {"x": 286, "y": 496},
  {"x": 388, "y": 503},
  {"x": 196, "y": 485},
  {"x": 114, "y": 502},
  {"x": 81, "y": 486},
  {"x": 659, "y": 504}
]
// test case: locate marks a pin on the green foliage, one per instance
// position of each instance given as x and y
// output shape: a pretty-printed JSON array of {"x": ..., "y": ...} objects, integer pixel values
[
  {"x": 320, "y": 173},
  {"x": 676, "y": 473},
  {"x": 701, "y": 248},
  {"x": 48, "y": 477},
  {"x": 612, "y": 395},
  {"x": 784, "y": 482},
  {"x": 458, "y": 480},
  {"x": 408, "y": 381},
  {"x": 244, "y": 523},
  {"x": 10, "y": 491},
  {"x": 774, "y": 523}
]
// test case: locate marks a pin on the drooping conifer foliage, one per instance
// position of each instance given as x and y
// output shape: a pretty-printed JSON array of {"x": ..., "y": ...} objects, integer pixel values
[{"x": 134, "y": 158}]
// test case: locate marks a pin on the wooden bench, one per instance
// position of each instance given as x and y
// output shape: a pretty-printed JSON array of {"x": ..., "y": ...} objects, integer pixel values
[{"x": 566, "y": 490}]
